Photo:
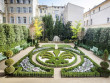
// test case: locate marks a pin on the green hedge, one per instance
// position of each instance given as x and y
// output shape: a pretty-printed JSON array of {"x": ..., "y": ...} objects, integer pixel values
[
  {"x": 98, "y": 37},
  {"x": 57, "y": 65},
  {"x": 20, "y": 73},
  {"x": 11, "y": 36},
  {"x": 94, "y": 73}
]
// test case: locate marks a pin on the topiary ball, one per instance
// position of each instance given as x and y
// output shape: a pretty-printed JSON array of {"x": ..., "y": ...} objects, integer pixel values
[
  {"x": 9, "y": 62},
  {"x": 104, "y": 65},
  {"x": 9, "y": 53},
  {"x": 9, "y": 70}
]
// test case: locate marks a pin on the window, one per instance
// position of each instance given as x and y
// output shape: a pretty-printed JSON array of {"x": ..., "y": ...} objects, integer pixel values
[
  {"x": 108, "y": 20},
  {"x": 91, "y": 21},
  {"x": 30, "y": 10},
  {"x": 12, "y": 20},
  {"x": 24, "y": 1},
  {"x": 24, "y": 20},
  {"x": 29, "y": 1},
  {"x": 99, "y": 8},
  {"x": 24, "y": 9},
  {"x": 40, "y": 10},
  {"x": 17, "y": 1},
  {"x": 93, "y": 11},
  {"x": 18, "y": 9},
  {"x": 11, "y": 1},
  {"x": 19, "y": 20},
  {"x": 11, "y": 9},
  {"x": 4, "y": 19}
]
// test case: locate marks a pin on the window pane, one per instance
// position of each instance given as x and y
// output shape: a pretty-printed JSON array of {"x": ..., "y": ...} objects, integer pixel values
[
  {"x": 30, "y": 10},
  {"x": 24, "y": 9},
  {"x": 18, "y": 9},
  {"x": 24, "y": 19},
  {"x": 11, "y": 1}
]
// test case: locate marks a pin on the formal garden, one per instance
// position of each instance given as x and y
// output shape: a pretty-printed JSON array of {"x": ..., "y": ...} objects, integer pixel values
[{"x": 42, "y": 60}]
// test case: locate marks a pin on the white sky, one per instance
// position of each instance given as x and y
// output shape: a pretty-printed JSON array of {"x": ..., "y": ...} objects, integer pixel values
[{"x": 83, "y": 3}]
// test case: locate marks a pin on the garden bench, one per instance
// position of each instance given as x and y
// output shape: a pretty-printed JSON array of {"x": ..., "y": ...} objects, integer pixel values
[
  {"x": 94, "y": 49},
  {"x": 2, "y": 57},
  {"x": 18, "y": 48}
]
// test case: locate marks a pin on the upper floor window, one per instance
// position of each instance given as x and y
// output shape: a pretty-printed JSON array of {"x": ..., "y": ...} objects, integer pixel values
[
  {"x": 30, "y": 10},
  {"x": 108, "y": 20},
  {"x": 24, "y": 9},
  {"x": 18, "y": 9},
  {"x": 19, "y": 20},
  {"x": 24, "y": 20},
  {"x": 11, "y": 9},
  {"x": 29, "y": 1},
  {"x": 93, "y": 11},
  {"x": 99, "y": 8},
  {"x": 12, "y": 20},
  {"x": 24, "y": 1},
  {"x": 40, "y": 10},
  {"x": 11, "y": 1},
  {"x": 17, "y": 1}
]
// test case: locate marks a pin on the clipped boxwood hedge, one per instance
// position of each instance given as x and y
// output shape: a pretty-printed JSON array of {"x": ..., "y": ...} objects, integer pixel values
[{"x": 20, "y": 73}]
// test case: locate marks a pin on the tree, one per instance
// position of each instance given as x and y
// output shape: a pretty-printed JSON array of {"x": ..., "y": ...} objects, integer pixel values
[
  {"x": 48, "y": 27},
  {"x": 76, "y": 29}
]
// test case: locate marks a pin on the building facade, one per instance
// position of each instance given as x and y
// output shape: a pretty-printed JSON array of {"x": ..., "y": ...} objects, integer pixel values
[
  {"x": 73, "y": 13},
  {"x": 2, "y": 10},
  {"x": 55, "y": 11},
  {"x": 99, "y": 16},
  {"x": 20, "y": 12}
]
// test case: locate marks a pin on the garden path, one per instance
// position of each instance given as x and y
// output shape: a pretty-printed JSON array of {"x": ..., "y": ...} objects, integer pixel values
[
  {"x": 92, "y": 56},
  {"x": 16, "y": 57}
]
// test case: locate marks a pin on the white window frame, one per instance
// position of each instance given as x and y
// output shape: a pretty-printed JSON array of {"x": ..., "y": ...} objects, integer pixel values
[
  {"x": 23, "y": 20},
  {"x": 12, "y": 18},
  {"x": 30, "y": 9},
  {"x": 11, "y": 9},
  {"x": 19, "y": 10},
  {"x": 19, "y": 19}
]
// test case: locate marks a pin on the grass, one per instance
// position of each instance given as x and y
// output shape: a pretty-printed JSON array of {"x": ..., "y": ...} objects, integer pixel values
[
  {"x": 63, "y": 45},
  {"x": 49, "y": 45}
]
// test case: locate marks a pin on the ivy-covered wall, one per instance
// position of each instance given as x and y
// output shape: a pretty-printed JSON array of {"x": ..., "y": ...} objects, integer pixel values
[
  {"x": 99, "y": 37},
  {"x": 12, "y": 35}
]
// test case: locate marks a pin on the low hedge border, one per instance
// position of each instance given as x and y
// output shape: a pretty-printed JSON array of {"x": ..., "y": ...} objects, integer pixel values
[
  {"x": 50, "y": 65},
  {"x": 20, "y": 73},
  {"x": 94, "y": 73}
]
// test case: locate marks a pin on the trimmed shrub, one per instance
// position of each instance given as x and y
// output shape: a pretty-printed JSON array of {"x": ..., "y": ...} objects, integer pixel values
[
  {"x": 105, "y": 57},
  {"x": 25, "y": 32},
  {"x": 46, "y": 40},
  {"x": 9, "y": 70},
  {"x": 9, "y": 53},
  {"x": 9, "y": 62},
  {"x": 104, "y": 65}
]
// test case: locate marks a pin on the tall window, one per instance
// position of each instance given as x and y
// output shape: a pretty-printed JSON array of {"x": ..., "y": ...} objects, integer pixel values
[
  {"x": 11, "y": 9},
  {"x": 19, "y": 20},
  {"x": 18, "y": 9},
  {"x": 91, "y": 21},
  {"x": 24, "y": 1},
  {"x": 99, "y": 8},
  {"x": 4, "y": 19},
  {"x": 40, "y": 10},
  {"x": 12, "y": 20},
  {"x": 17, "y": 1},
  {"x": 29, "y": 1},
  {"x": 30, "y": 10},
  {"x": 11, "y": 1},
  {"x": 108, "y": 20},
  {"x": 24, "y": 9},
  {"x": 24, "y": 20}
]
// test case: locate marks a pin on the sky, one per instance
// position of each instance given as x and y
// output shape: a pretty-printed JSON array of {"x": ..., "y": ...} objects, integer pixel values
[{"x": 87, "y": 4}]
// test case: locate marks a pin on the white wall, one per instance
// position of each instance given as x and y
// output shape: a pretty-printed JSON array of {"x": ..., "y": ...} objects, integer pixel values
[
  {"x": 99, "y": 17},
  {"x": 73, "y": 13}
]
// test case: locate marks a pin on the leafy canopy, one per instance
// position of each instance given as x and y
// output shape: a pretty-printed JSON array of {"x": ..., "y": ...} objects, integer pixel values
[
  {"x": 38, "y": 28},
  {"x": 76, "y": 29}
]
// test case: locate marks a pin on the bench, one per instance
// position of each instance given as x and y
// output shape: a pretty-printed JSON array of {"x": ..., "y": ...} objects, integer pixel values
[
  {"x": 2, "y": 57},
  {"x": 94, "y": 49},
  {"x": 18, "y": 48}
]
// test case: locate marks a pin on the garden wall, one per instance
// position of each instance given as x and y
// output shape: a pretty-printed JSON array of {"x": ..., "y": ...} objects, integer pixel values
[{"x": 11, "y": 36}]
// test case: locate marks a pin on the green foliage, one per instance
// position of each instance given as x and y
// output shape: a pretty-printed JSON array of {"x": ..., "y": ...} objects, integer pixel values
[
  {"x": 2, "y": 35},
  {"x": 21, "y": 33},
  {"x": 49, "y": 45},
  {"x": 9, "y": 62},
  {"x": 46, "y": 40},
  {"x": 9, "y": 53},
  {"x": 104, "y": 65},
  {"x": 48, "y": 26},
  {"x": 19, "y": 73},
  {"x": 9, "y": 70},
  {"x": 76, "y": 29},
  {"x": 63, "y": 45},
  {"x": 105, "y": 57},
  {"x": 98, "y": 37},
  {"x": 9, "y": 32},
  {"x": 25, "y": 32}
]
